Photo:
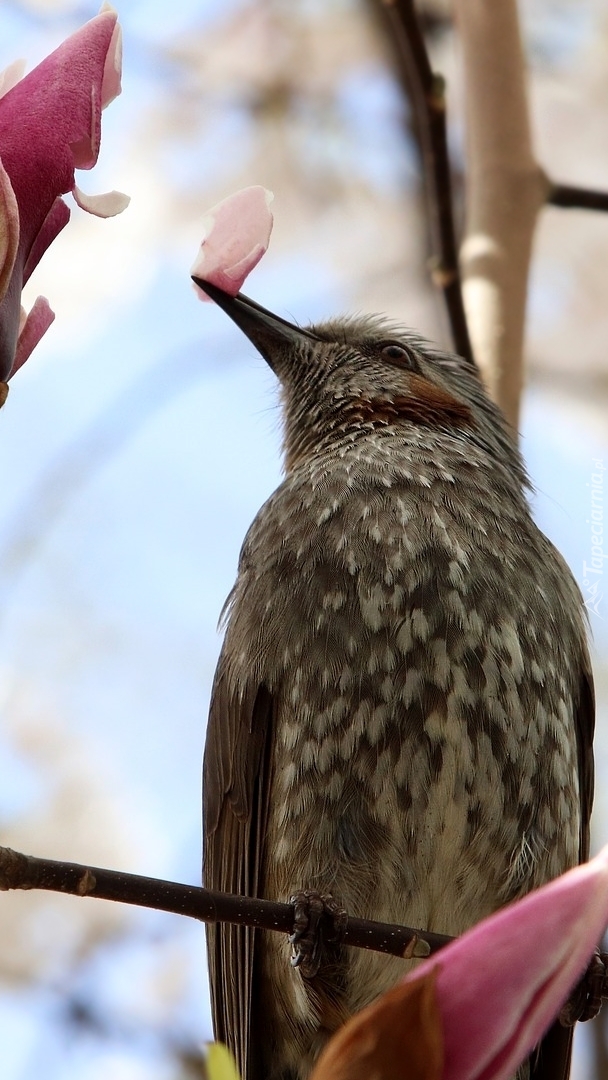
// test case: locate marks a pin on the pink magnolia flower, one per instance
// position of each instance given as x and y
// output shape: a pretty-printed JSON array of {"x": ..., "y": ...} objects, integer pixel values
[
  {"x": 50, "y": 124},
  {"x": 475, "y": 1010},
  {"x": 236, "y": 233}
]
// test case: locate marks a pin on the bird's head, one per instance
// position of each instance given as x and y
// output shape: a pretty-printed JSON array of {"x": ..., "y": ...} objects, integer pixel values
[{"x": 343, "y": 378}]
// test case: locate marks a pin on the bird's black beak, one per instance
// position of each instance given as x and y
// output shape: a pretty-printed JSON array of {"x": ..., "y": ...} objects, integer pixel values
[{"x": 269, "y": 333}]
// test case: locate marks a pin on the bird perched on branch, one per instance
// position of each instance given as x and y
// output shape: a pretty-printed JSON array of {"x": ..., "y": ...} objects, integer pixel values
[{"x": 402, "y": 712}]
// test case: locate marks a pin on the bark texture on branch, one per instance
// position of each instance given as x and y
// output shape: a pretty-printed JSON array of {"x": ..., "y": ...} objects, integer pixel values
[{"x": 18, "y": 871}]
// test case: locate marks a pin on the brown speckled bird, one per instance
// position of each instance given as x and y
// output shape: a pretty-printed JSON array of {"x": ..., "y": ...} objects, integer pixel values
[{"x": 402, "y": 712}]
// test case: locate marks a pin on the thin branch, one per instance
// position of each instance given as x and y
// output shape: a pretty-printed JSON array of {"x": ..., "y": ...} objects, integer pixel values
[
  {"x": 18, "y": 871},
  {"x": 426, "y": 91},
  {"x": 582, "y": 198}
]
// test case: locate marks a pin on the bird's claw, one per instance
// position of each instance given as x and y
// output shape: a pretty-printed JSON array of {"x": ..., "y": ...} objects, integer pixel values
[
  {"x": 318, "y": 921},
  {"x": 585, "y": 1001}
]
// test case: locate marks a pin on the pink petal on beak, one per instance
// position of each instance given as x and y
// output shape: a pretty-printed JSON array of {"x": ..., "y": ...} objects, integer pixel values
[{"x": 236, "y": 233}]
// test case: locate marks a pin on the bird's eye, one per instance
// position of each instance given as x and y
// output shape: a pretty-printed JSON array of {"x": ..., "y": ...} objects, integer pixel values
[{"x": 397, "y": 354}]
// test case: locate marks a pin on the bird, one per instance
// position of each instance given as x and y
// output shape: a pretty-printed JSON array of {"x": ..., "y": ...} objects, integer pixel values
[{"x": 402, "y": 713}]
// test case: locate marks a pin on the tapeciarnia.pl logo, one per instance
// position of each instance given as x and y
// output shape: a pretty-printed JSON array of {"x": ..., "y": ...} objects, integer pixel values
[{"x": 593, "y": 571}]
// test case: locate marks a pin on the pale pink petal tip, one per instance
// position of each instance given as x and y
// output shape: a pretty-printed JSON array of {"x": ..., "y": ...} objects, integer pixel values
[
  {"x": 11, "y": 76},
  {"x": 107, "y": 205},
  {"x": 501, "y": 985},
  {"x": 112, "y": 71},
  {"x": 32, "y": 327},
  {"x": 9, "y": 230},
  {"x": 236, "y": 233}
]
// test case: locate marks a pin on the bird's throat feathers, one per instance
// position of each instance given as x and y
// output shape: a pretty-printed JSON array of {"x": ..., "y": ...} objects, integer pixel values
[{"x": 426, "y": 404}]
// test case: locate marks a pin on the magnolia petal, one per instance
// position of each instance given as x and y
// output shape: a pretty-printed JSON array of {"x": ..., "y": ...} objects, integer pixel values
[
  {"x": 56, "y": 220},
  {"x": 397, "y": 1038},
  {"x": 107, "y": 205},
  {"x": 32, "y": 329},
  {"x": 112, "y": 72},
  {"x": 501, "y": 985},
  {"x": 232, "y": 278},
  {"x": 55, "y": 107},
  {"x": 236, "y": 233},
  {"x": 85, "y": 150},
  {"x": 50, "y": 122},
  {"x": 240, "y": 270},
  {"x": 9, "y": 230},
  {"x": 11, "y": 75}
]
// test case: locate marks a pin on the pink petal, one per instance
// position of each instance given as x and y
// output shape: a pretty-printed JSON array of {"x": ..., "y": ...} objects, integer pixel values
[
  {"x": 501, "y": 984},
  {"x": 35, "y": 325},
  {"x": 56, "y": 220},
  {"x": 112, "y": 71},
  {"x": 11, "y": 75},
  {"x": 107, "y": 205},
  {"x": 236, "y": 233},
  {"x": 50, "y": 123},
  {"x": 56, "y": 107},
  {"x": 9, "y": 230}
]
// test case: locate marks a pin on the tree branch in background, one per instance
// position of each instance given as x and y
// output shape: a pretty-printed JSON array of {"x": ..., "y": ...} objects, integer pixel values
[
  {"x": 426, "y": 93},
  {"x": 505, "y": 186},
  {"x": 506, "y": 189},
  {"x": 19, "y": 871}
]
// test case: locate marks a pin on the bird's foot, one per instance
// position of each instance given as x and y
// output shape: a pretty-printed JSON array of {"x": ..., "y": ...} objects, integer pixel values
[
  {"x": 318, "y": 921},
  {"x": 585, "y": 1001}
]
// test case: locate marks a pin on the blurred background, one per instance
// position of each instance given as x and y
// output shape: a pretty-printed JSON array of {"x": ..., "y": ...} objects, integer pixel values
[{"x": 143, "y": 434}]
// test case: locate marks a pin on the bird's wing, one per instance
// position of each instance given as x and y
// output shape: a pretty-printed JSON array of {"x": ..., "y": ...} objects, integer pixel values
[
  {"x": 553, "y": 1058},
  {"x": 585, "y": 724},
  {"x": 235, "y": 800}
]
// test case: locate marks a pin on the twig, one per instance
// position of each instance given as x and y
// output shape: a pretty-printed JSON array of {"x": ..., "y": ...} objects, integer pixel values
[
  {"x": 426, "y": 90},
  {"x": 583, "y": 198},
  {"x": 18, "y": 871}
]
